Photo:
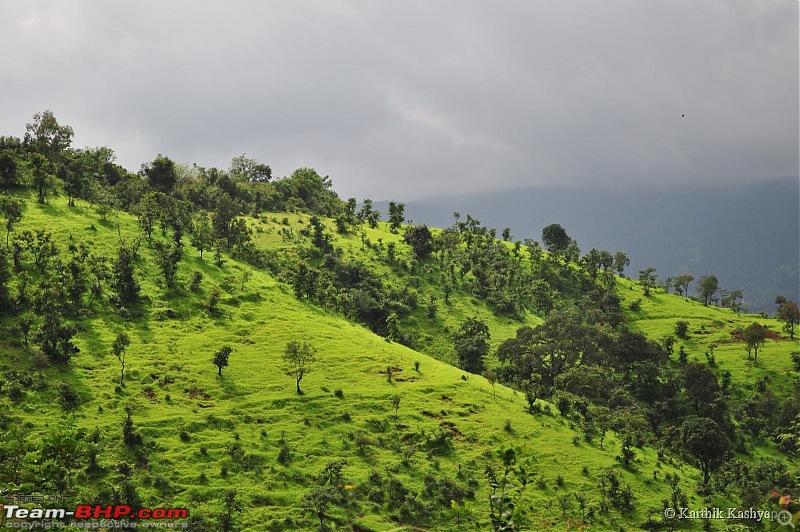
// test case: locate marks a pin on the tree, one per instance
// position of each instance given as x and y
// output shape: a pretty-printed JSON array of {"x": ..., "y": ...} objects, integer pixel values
[
  {"x": 227, "y": 519},
  {"x": 789, "y": 314},
  {"x": 123, "y": 279},
  {"x": 150, "y": 209},
  {"x": 707, "y": 286},
  {"x": 621, "y": 261},
  {"x": 42, "y": 177},
  {"x": 733, "y": 300},
  {"x": 682, "y": 282},
  {"x": 202, "y": 235},
  {"x": 754, "y": 336},
  {"x": 369, "y": 214},
  {"x": 119, "y": 348},
  {"x": 647, "y": 279},
  {"x": 318, "y": 501},
  {"x": 779, "y": 300},
  {"x": 471, "y": 344},
  {"x": 226, "y": 226},
  {"x": 491, "y": 376},
  {"x": 298, "y": 356},
  {"x": 55, "y": 338},
  {"x": 160, "y": 173},
  {"x": 221, "y": 358},
  {"x": 310, "y": 192},
  {"x": 396, "y": 215},
  {"x": 681, "y": 328},
  {"x": 74, "y": 176},
  {"x": 551, "y": 348},
  {"x": 45, "y": 136},
  {"x": 168, "y": 257},
  {"x": 11, "y": 210},
  {"x": 704, "y": 439},
  {"x": 320, "y": 239},
  {"x": 701, "y": 385},
  {"x": 244, "y": 169},
  {"x": 420, "y": 239},
  {"x": 556, "y": 239},
  {"x": 346, "y": 218},
  {"x": 9, "y": 171},
  {"x": 505, "y": 512}
]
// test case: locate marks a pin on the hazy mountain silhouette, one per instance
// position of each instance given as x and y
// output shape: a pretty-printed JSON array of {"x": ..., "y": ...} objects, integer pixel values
[{"x": 747, "y": 235}]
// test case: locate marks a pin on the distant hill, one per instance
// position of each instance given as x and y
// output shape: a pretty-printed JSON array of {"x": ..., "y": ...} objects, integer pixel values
[{"x": 748, "y": 236}]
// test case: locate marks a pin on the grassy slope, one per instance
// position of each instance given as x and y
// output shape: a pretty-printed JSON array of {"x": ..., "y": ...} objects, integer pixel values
[
  {"x": 434, "y": 335},
  {"x": 254, "y": 402},
  {"x": 714, "y": 326}
]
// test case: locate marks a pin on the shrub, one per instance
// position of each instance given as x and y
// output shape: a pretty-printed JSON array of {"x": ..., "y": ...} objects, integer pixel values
[
  {"x": 130, "y": 435},
  {"x": 197, "y": 278},
  {"x": 67, "y": 395},
  {"x": 213, "y": 299},
  {"x": 284, "y": 455},
  {"x": 338, "y": 393},
  {"x": 681, "y": 328}
]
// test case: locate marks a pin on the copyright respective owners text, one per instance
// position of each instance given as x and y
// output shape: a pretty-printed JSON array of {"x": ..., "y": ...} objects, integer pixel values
[{"x": 780, "y": 517}]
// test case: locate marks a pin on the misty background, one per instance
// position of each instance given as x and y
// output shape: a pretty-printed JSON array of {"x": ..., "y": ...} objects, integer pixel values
[{"x": 747, "y": 235}]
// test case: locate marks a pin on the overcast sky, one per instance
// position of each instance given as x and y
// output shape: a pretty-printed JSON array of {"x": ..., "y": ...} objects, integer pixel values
[{"x": 401, "y": 99}]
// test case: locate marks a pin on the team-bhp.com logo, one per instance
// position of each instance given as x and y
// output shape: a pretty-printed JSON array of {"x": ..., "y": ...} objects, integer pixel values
[{"x": 94, "y": 511}]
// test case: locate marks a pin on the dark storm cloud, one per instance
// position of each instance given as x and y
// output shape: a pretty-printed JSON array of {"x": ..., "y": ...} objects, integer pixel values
[{"x": 405, "y": 99}]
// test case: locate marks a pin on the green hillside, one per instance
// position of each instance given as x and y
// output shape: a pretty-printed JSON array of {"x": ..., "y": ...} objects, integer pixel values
[{"x": 461, "y": 380}]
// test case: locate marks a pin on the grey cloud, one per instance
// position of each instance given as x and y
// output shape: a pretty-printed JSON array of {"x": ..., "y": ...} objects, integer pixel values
[{"x": 407, "y": 99}]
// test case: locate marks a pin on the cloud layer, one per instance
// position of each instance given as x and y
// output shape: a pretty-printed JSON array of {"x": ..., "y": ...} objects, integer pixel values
[{"x": 407, "y": 99}]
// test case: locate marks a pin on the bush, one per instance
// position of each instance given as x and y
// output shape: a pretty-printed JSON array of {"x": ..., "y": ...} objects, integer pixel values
[
  {"x": 130, "y": 435},
  {"x": 197, "y": 278},
  {"x": 67, "y": 395},
  {"x": 213, "y": 299},
  {"x": 284, "y": 455},
  {"x": 338, "y": 393},
  {"x": 681, "y": 328}
]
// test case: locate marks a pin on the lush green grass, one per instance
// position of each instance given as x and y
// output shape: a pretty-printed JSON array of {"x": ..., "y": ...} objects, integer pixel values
[
  {"x": 713, "y": 328},
  {"x": 206, "y": 434}
]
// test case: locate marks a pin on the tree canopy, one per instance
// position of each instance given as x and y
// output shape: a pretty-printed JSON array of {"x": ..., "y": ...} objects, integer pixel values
[
  {"x": 555, "y": 238},
  {"x": 471, "y": 343}
]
